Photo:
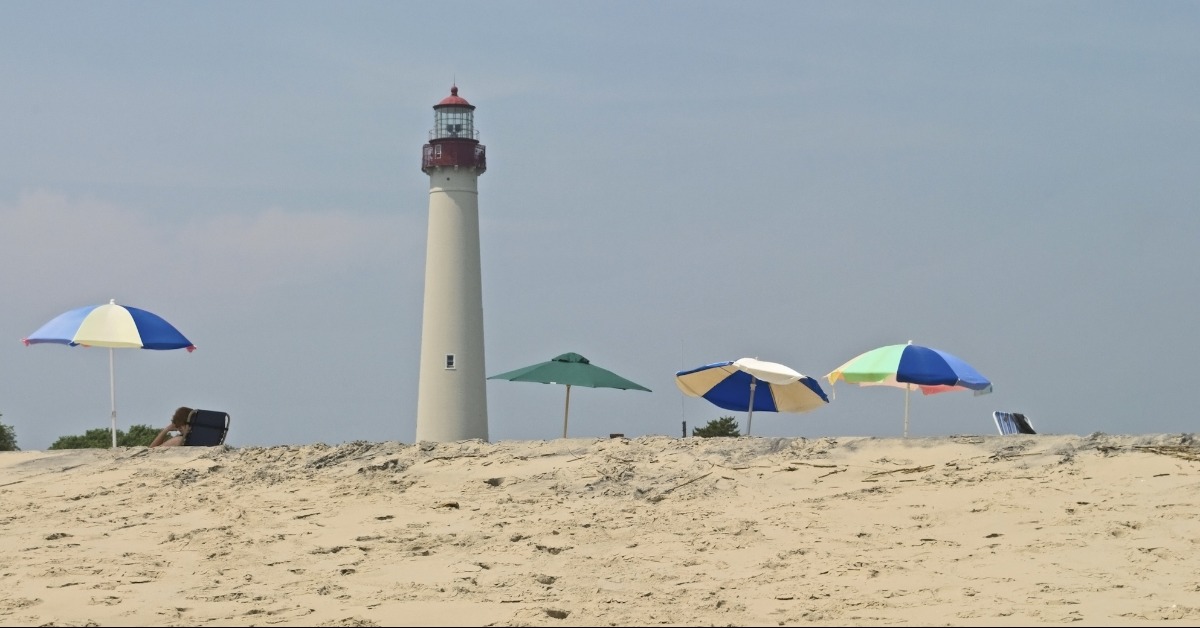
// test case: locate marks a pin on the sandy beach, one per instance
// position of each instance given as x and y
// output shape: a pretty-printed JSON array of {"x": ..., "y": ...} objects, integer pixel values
[{"x": 957, "y": 531}]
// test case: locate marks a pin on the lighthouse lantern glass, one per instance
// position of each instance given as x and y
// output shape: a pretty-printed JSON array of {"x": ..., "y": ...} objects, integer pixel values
[{"x": 454, "y": 122}]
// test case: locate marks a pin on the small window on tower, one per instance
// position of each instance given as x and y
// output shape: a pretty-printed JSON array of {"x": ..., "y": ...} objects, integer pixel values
[
  {"x": 437, "y": 151},
  {"x": 449, "y": 361}
]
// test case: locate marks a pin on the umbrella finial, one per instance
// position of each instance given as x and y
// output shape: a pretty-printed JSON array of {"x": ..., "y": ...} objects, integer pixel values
[
  {"x": 112, "y": 301},
  {"x": 571, "y": 357}
]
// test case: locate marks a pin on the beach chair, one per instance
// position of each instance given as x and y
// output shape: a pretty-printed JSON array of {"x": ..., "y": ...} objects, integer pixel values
[
  {"x": 1012, "y": 423},
  {"x": 206, "y": 428}
]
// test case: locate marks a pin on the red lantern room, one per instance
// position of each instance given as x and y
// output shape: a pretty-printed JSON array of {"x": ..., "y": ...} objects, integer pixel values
[{"x": 454, "y": 142}]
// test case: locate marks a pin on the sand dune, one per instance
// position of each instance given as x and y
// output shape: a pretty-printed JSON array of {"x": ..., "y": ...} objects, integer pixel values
[{"x": 961, "y": 530}]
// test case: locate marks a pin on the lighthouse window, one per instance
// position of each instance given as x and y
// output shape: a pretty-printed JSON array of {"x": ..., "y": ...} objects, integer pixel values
[
  {"x": 454, "y": 122},
  {"x": 449, "y": 361}
]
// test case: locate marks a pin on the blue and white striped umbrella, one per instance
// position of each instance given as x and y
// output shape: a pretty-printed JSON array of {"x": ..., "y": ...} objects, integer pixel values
[{"x": 115, "y": 327}]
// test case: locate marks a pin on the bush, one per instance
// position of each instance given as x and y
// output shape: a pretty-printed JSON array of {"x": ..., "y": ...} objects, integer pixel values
[
  {"x": 724, "y": 426},
  {"x": 101, "y": 438},
  {"x": 8, "y": 438}
]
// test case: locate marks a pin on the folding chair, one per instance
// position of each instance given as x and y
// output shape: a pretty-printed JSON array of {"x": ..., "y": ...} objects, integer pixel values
[
  {"x": 1012, "y": 423},
  {"x": 206, "y": 428}
]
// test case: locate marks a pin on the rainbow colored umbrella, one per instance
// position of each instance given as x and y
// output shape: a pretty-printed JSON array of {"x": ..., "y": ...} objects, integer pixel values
[
  {"x": 115, "y": 327},
  {"x": 906, "y": 366}
]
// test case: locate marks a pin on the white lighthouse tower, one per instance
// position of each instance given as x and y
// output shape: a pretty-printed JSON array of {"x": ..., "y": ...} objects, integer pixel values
[{"x": 452, "y": 398}]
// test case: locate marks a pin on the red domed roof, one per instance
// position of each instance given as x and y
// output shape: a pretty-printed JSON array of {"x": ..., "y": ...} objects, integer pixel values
[{"x": 454, "y": 99}]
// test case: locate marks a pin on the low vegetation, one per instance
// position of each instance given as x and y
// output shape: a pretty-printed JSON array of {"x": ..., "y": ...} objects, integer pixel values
[
  {"x": 8, "y": 438},
  {"x": 724, "y": 426},
  {"x": 101, "y": 437}
]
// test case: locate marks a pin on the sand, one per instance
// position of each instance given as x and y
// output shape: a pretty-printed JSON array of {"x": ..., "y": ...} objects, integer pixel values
[{"x": 1096, "y": 530}]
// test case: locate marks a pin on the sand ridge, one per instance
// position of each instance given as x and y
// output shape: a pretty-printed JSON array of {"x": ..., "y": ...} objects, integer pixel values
[{"x": 957, "y": 530}]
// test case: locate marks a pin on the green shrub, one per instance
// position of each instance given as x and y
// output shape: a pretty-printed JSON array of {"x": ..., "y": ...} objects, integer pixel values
[
  {"x": 101, "y": 438},
  {"x": 724, "y": 426},
  {"x": 8, "y": 438}
]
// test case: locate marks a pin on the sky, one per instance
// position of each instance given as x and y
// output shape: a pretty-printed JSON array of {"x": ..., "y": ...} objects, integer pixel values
[{"x": 669, "y": 185}]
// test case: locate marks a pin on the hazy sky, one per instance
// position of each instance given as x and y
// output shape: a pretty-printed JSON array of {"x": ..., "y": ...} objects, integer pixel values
[{"x": 669, "y": 184}]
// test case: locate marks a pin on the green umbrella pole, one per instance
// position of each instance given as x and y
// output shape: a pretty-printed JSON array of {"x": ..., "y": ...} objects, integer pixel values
[
  {"x": 566, "y": 410},
  {"x": 907, "y": 387}
]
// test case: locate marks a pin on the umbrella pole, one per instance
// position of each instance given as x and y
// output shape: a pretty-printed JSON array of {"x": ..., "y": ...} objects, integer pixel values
[
  {"x": 112, "y": 395},
  {"x": 907, "y": 387},
  {"x": 750, "y": 410},
  {"x": 566, "y": 410}
]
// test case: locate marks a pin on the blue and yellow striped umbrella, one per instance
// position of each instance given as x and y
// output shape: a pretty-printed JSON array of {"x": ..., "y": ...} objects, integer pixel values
[
  {"x": 115, "y": 327},
  {"x": 733, "y": 385}
]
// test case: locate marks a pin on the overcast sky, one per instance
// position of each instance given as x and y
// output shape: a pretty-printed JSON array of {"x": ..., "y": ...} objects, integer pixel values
[{"x": 669, "y": 184}]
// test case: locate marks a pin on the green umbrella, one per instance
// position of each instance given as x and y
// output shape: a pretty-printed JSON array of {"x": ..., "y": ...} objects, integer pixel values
[{"x": 570, "y": 369}]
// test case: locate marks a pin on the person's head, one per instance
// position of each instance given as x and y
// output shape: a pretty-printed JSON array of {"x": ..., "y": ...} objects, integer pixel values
[{"x": 180, "y": 418}]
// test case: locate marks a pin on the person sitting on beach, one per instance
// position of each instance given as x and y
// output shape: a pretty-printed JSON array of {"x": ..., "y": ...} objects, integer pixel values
[{"x": 178, "y": 424}]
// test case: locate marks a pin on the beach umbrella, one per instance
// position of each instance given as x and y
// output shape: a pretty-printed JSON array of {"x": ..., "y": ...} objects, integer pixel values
[
  {"x": 569, "y": 369},
  {"x": 115, "y": 327},
  {"x": 734, "y": 386},
  {"x": 909, "y": 366}
]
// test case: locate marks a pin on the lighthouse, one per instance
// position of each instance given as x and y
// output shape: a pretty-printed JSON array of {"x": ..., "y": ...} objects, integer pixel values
[{"x": 452, "y": 396}]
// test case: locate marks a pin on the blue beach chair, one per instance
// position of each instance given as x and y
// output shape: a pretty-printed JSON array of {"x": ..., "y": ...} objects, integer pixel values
[
  {"x": 1012, "y": 423},
  {"x": 206, "y": 428}
]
